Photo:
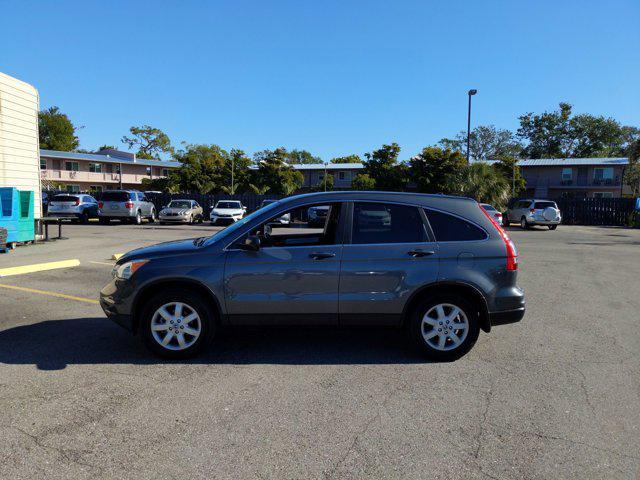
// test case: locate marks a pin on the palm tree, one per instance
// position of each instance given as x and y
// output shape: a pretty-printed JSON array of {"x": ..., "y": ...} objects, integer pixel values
[{"x": 482, "y": 182}]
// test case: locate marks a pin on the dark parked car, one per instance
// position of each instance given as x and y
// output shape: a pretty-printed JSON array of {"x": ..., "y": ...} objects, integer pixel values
[{"x": 439, "y": 266}]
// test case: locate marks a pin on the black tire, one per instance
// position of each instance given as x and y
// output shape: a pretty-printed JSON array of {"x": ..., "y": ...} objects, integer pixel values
[
  {"x": 163, "y": 223},
  {"x": 103, "y": 221},
  {"x": 524, "y": 224},
  {"x": 138, "y": 218},
  {"x": 191, "y": 222},
  {"x": 553, "y": 227},
  {"x": 152, "y": 219},
  {"x": 84, "y": 218},
  {"x": 193, "y": 300},
  {"x": 415, "y": 328}
]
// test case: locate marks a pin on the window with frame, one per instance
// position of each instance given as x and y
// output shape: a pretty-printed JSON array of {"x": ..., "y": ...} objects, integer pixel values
[
  {"x": 95, "y": 188},
  {"x": 603, "y": 173},
  {"x": 43, "y": 164},
  {"x": 449, "y": 228},
  {"x": 95, "y": 167},
  {"x": 603, "y": 195},
  {"x": 149, "y": 171},
  {"x": 73, "y": 188},
  {"x": 71, "y": 166},
  {"x": 342, "y": 175},
  {"x": 165, "y": 172},
  {"x": 567, "y": 174},
  {"x": 301, "y": 226},
  {"x": 375, "y": 223}
]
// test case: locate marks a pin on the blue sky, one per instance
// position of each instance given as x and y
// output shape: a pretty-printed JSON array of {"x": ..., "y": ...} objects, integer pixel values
[{"x": 332, "y": 77}]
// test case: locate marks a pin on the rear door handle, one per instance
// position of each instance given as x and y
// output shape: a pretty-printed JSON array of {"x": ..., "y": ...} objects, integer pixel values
[
  {"x": 321, "y": 255},
  {"x": 421, "y": 253}
]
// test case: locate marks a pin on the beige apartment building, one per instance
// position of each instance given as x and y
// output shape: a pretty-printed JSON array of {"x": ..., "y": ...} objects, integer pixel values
[{"x": 104, "y": 170}]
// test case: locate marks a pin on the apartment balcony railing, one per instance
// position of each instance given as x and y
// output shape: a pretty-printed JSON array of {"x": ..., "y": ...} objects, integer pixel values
[
  {"x": 91, "y": 177},
  {"x": 573, "y": 183}
]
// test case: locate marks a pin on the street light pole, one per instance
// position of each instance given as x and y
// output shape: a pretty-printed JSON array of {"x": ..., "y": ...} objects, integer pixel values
[
  {"x": 470, "y": 93},
  {"x": 325, "y": 176},
  {"x": 233, "y": 165}
]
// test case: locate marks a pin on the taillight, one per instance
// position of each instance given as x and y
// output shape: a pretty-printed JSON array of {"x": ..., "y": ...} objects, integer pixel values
[
  {"x": 128, "y": 205},
  {"x": 532, "y": 211},
  {"x": 77, "y": 202},
  {"x": 512, "y": 253},
  {"x": 100, "y": 205}
]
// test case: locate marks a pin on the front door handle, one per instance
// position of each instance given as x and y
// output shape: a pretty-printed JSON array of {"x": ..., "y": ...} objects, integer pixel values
[
  {"x": 321, "y": 255},
  {"x": 421, "y": 253}
]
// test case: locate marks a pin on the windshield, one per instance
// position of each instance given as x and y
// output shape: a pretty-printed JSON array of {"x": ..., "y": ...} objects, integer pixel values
[
  {"x": 543, "y": 205},
  {"x": 228, "y": 205},
  {"x": 239, "y": 224},
  {"x": 180, "y": 204}
]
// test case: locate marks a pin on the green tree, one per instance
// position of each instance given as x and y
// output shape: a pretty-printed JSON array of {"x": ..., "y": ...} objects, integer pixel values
[
  {"x": 433, "y": 168},
  {"x": 106, "y": 147},
  {"x": 236, "y": 174},
  {"x": 274, "y": 174},
  {"x": 558, "y": 134},
  {"x": 149, "y": 141},
  {"x": 480, "y": 181},
  {"x": 295, "y": 157},
  {"x": 202, "y": 169},
  {"x": 161, "y": 184},
  {"x": 486, "y": 142},
  {"x": 632, "y": 172},
  {"x": 324, "y": 185},
  {"x": 348, "y": 159},
  {"x": 382, "y": 166},
  {"x": 56, "y": 131},
  {"x": 362, "y": 181},
  {"x": 508, "y": 167}
]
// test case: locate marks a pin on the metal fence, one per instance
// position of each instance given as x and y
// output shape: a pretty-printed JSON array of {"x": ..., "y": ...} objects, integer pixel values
[{"x": 596, "y": 211}]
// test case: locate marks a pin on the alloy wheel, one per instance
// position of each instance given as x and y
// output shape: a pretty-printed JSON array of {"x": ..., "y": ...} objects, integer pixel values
[
  {"x": 444, "y": 327},
  {"x": 176, "y": 326}
]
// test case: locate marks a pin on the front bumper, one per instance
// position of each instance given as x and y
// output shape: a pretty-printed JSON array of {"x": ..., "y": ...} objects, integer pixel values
[
  {"x": 176, "y": 219},
  {"x": 116, "y": 304},
  {"x": 216, "y": 219}
]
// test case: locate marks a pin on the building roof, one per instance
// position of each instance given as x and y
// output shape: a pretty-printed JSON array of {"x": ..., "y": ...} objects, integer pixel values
[
  {"x": 108, "y": 158},
  {"x": 321, "y": 166},
  {"x": 568, "y": 162}
]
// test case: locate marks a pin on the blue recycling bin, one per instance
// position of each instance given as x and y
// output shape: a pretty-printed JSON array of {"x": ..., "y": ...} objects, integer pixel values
[{"x": 10, "y": 212}]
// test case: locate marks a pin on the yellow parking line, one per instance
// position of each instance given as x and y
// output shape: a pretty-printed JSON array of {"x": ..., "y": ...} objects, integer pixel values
[
  {"x": 38, "y": 267},
  {"x": 50, "y": 294},
  {"x": 116, "y": 256}
]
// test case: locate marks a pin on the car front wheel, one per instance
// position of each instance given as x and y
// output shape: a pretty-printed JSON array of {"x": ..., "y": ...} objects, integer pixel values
[
  {"x": 177, "y": 324},
  {"x": 553, "y": 227},
  {"x": 444, "y": 328},
  {"x": 523, "y": 223}
]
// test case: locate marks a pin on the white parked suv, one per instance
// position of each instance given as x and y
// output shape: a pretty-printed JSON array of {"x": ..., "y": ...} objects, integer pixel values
[
  {"x": 229, "y": 211},
  {"x": 528, "y": 212}
]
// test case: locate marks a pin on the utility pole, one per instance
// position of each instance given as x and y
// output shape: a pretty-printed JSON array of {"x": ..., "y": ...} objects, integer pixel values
[
  {"x": 470, "y": 93},
  {"x": 325, "y": 176},
  {"x": 233, "y": 164}
]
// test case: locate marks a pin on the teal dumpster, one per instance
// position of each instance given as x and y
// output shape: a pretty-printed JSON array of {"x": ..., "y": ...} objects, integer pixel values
[
  {"x": 9, "y": 212},
  {"x": 26, "y": 224}
]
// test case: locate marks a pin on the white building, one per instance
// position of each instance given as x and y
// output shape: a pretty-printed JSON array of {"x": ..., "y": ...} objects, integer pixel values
[{"x": 19, "y": 149}]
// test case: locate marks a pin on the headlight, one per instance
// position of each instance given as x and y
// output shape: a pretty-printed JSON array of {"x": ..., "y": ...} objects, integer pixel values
[
  {"x": 163, "y": 212},
  {"x": 127, "y": 269}
]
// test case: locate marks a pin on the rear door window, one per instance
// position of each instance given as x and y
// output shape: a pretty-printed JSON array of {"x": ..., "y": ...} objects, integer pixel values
[
  {"x": 543, "y": 205},
  {"x": 115, "y": 197},
  {"x": 375, "y": 223},
  {"x": 449, "y": 228}
]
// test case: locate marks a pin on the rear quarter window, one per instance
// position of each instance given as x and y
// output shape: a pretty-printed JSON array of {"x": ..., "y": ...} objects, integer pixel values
[
  {"x": 449, "y": 228},
  {"x": 115, "y": 196}
]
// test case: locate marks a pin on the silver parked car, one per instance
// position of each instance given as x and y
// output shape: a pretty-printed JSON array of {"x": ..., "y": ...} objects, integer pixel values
[
  {"x": 78, "y": 207},
  {"x": 528, "y": 212},
  {"x": 282, "y": 220},
  {"x": 125, "y": 205},
  {"x": 181, "y": 211}
]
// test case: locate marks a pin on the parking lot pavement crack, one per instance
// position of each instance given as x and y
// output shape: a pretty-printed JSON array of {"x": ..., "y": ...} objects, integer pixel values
[
  {"x": 72, "y": 456},
  {"x": 585, "y": 391},
  {"x": 483, "y": 421},
  {"x": 375, "y": 418}
]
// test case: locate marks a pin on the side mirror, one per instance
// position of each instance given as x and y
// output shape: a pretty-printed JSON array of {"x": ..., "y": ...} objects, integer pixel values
[{"x": 251, "y": 243}]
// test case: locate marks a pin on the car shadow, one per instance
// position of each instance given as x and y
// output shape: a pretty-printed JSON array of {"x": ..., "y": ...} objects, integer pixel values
[{"x": 54, "y": 344}]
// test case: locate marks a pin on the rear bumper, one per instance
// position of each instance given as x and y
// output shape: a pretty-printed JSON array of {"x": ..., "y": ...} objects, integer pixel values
[
  {"x": 509, "y": 316},
  {"x": 544, "y": 222},
  {"x": 117, "y": 214}
]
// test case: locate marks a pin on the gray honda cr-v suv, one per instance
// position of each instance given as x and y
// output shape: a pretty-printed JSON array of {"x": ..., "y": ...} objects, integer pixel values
[{"x": 437, "y": 265}]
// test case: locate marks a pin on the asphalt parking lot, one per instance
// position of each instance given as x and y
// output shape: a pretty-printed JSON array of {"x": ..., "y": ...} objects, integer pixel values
[{"x": 555, "y": 396}]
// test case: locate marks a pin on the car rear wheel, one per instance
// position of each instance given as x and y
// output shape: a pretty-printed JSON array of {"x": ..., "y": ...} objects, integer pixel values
[
  {"x": 177, "y": 324},
  {"x": 444, "y": 327},
  {"x": 152, "y": 218},
  {"x": 103, "y": 221},
  {"x": 553, "y": 227},
  {"x": 84, "y": 218},
  {"x": 138, "y": 219},
  {"x": 524, "y": 224}
]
